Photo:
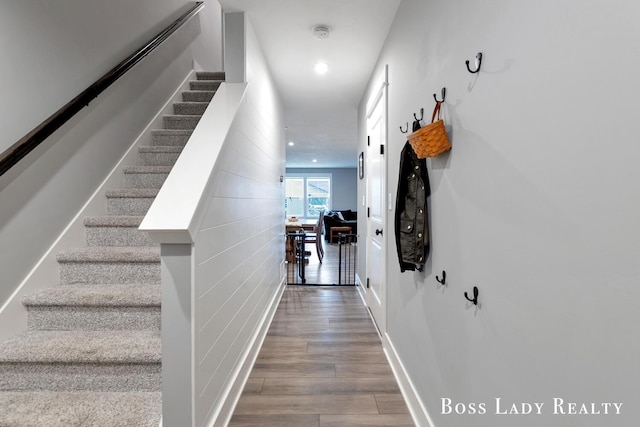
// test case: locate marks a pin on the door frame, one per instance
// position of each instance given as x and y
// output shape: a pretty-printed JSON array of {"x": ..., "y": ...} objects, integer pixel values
[{"x": 379, "y": 96}]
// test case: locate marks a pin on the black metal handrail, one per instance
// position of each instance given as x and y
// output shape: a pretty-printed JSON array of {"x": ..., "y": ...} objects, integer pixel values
[{"x": 40, "y": 133}]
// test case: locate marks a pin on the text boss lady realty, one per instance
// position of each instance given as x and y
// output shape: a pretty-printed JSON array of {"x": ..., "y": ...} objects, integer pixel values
[{"x": 558, "y": 407}]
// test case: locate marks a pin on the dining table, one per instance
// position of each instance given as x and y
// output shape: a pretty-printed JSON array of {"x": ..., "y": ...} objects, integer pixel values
[{"x": 295, "y": 229}]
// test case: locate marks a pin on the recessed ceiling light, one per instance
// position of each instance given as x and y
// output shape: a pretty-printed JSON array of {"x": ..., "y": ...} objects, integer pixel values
[
  {"x": 321, "y": 68},
  {"x": 291, "y": 144}
]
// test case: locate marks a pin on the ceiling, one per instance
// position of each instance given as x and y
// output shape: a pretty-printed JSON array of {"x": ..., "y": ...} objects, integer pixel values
[{"x": 320, "y": 110}]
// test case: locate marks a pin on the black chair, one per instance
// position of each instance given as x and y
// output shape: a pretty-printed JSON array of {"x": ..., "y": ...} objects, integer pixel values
[{"x": 315, "y": 236}]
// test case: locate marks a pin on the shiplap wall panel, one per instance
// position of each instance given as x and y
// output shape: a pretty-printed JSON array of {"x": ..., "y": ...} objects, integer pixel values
[
  {"x": 237, "y": 336},
  {"x": 211, "y": 392},
  {"x": 227, "y": 308},
  {"x": 230, "y": 210},
  {"x": 231, "y": 318}
]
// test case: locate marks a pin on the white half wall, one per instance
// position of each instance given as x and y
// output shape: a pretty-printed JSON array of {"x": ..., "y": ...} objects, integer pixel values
[
  {"x": 536, "y": 205},
  {"x": 240, "y": 244},
  {"x": 220, "y": 219}
]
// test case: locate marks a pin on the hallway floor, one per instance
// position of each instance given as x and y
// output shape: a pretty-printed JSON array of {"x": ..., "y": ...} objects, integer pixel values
[{"x": 321, "y": 365}]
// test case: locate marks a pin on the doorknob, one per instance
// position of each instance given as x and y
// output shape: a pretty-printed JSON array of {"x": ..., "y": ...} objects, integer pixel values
[{"x": 378, "y": 232}]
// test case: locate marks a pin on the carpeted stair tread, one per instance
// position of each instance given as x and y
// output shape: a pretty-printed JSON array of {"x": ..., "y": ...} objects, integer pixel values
[
  {"x": 112, "y": 347},
  {"x": 160, "y": 149},
  {"x": 132, "y": 192},
  {"x": 147, "y": 169},
  {"x": 204, "y": 84},
  {"x": 174, "y": 121},
  {"x": 111, "y": 254},
  {"x": 171, "y": 132},
  {"x": 113, "y": 221},
  {"x": 80, "y": 409},
  {"x": 198, "y": 95},
  {"x": 96, "y": 296},
  {"x": 190, "y": 107}
]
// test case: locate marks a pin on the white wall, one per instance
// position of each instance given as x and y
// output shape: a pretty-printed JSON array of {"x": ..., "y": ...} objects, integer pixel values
[
  {"x": 51, "y": 51},
  {"x": 536, "y": 204},
  {"x": 240, "y": 243},
  {"x": 343, "y": 185}
]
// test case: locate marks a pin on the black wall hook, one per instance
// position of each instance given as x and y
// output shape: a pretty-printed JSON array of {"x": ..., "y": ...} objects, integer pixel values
[
  {"x": 479, "y": 60},
  {"x": 444, "y": 278},
  {"x": 416, "y": 122},
  {"x": 444, "y": 94},
  {"x": 474, "y": 300},
  {"x": 405, "y": 130}
]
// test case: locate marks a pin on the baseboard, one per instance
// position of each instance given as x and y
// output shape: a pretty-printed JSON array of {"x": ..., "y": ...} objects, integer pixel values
[
  {"x": 248, "y": 359},
  {"x": 417, "y": 409},
  {"x": 360, "y": 289},
  {"x": 45, "y": 273},
  {"x": 418, "y": 412}
]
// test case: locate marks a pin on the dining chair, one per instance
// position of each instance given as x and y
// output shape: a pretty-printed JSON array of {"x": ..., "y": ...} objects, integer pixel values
[{"x": 315, "y": 236}]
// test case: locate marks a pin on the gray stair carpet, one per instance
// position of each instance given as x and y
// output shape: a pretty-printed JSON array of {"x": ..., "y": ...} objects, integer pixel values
[{"x": 92, "y": 354}]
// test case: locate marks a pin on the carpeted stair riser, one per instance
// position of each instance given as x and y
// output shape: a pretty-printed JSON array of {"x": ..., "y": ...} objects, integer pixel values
[
  {"x": 77, "y": 409},
  {"x": 210, "y": 75},
  {"x": 93, "y": 360},
  {"x": 116, "y": 231},
  {"x": 170, "y": 137},
  {"x": 135, "y": 202},
  {"x": 117, "y": 236},
  {"x": 134, "y": 266},
  {"x": 145, "y": 176},
  {"x": 209, "y": 85},
  {"x": 131, "y": 273},
  {"x": 180, "y": 122},
  {"x": 190, "y": 108},
  {"x": 94, "y": 318},
  {"x": 198, "y": 95},
  {"x": 159, "y": 156},
  {"x": 95, "y": 308},
  {"x": 80, "y": 376}
]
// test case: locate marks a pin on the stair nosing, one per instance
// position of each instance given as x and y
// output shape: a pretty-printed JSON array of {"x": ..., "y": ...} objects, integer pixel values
[
  {"x": 182, "y": 116},
  {"x": 111, "y": 254},
  {"x": 95, "y": 296},
  {"x": 148, "y": 169},
  {"x": 194, "y": 103},
  {"x": 160, "y": 149},
  {"x": 180, "y": 132},
  {"x": 132, "y": 193},
  {"x": 113, "y": 221},
  {"x": 199, "y": 91}
]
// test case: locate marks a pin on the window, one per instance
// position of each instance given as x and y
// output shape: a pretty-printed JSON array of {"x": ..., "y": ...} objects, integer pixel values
[
  {"x": 294, "y": 197},
  {"x": 307, "y": 195}
]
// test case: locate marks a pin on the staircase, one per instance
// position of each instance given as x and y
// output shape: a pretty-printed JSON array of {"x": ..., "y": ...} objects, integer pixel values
[{"x": 92, "y": 355}]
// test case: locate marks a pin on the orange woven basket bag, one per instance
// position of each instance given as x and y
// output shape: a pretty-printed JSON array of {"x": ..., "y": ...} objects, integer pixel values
[{"x": 430, "y": 140}]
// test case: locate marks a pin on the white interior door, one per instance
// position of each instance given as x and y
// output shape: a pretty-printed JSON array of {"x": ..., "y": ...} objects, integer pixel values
[{"x": 376, "y": 190}]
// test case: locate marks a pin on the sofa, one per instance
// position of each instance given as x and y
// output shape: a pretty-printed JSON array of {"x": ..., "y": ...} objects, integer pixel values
[{"x": 340, "y": 218}]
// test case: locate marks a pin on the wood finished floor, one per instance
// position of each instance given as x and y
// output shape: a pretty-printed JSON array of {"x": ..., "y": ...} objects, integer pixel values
[{"x": 321, "y": 365}]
